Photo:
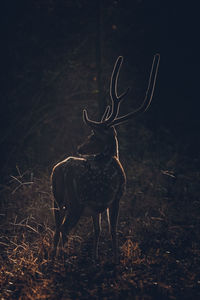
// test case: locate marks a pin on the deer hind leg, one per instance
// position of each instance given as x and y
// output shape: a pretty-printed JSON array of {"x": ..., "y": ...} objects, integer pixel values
[
  {"x": 74, "y": 208},
  {"x": 56, "y": 242},
  {"x": 112, "y": 214},
  {"x": 58, "y": 222},
  {"x": 67, "y": 211},
  {"x": 97, "y": 230},
  {"x": 71, "y": 219}
]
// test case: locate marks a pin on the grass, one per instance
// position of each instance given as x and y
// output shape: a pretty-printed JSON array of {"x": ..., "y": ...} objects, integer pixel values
[{"x": 159, "y": 240}]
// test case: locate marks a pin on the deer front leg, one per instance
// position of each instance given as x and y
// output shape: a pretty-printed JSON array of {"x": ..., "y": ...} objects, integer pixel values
[
  {"x": 112, "y": 213},
  {"x": 97, "y": 229}
]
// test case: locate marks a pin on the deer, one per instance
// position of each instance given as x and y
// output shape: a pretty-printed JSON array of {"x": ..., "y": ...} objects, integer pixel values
[{"x": 95, "y": 181}]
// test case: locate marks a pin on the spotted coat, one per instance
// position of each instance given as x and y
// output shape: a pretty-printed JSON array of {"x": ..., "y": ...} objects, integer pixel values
[{"x": 95, "y": 182}]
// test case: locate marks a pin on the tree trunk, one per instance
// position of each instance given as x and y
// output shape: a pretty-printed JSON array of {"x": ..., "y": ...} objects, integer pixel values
[{"x": 101, "y": 98}]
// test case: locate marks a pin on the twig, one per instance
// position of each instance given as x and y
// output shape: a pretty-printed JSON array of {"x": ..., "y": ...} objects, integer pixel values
[
  {"x": 15, "y": 178},
  {"x": 26, "y": 226},
  {"x": 21, "y": 184},
  {"x": 4, "y": 244}
]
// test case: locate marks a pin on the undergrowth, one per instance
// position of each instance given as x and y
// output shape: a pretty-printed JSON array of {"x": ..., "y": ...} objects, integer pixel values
[{"x": 158, "y": 235}]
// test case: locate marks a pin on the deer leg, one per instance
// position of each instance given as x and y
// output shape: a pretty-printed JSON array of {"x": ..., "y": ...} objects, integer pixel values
[
  {"x": 74, "y": 209},
  {"x": 58, "y": 221},
  {"x": 56, "y": 242},
  {"x": 70, "y": 222},
  {"x": 97, "y": 229},
  {"x": 113, "y": 218}
]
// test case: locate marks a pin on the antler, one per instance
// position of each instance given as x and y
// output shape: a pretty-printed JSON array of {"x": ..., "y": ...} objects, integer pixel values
[
  {"x": 114, "y": 98},
  {"x": 148, "y": 97},
  {"x": 113, "y": 91},
  {"x": 112, "y": 120}
]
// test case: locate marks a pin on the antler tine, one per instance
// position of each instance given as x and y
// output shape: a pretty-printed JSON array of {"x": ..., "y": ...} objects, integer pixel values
[
  {"x": 149, "y": 94},
  {"x": 113, "y": 91},
  {"x": 105, "y": 121},
  {"x": 106, "y": 113},
  {"x": 94, "y": 123},
  {"x": 88, "y": 121}
]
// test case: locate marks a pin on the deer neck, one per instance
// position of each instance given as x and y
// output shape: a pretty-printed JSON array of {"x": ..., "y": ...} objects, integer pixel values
[{"x": 109, "y": 151}]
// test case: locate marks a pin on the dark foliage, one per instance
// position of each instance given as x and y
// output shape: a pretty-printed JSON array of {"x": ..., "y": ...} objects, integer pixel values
[{"x": 55, "y": 58}]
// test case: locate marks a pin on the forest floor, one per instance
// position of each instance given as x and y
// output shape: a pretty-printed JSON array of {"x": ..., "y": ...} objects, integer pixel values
[{"x": 158, "y": 231}]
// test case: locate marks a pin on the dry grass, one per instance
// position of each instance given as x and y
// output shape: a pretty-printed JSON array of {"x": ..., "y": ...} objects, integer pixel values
[{"x": 158, "y": 238}]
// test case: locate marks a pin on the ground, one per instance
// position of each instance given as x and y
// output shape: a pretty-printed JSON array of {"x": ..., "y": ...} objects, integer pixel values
[{"x": 158, "y": 235}]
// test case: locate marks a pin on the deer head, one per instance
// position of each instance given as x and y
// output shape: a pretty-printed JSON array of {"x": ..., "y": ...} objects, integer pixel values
[{"x": 103, "y": 139}]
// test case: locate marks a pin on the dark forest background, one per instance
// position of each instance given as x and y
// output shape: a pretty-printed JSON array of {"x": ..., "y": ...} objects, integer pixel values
[{"x": 57, "y": 58}]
